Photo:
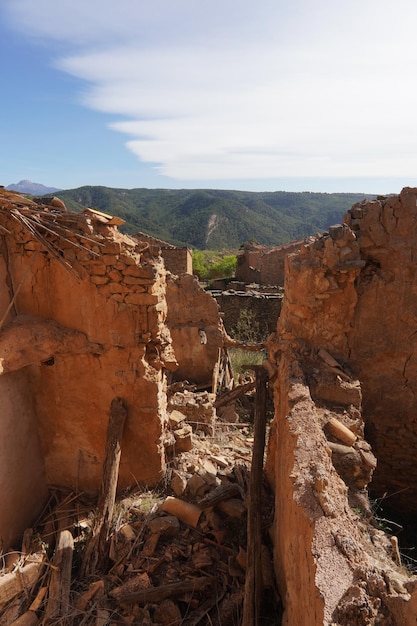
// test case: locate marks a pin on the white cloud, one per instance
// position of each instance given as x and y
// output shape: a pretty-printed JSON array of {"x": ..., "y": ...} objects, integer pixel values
[{"x": 235, "y": 90}]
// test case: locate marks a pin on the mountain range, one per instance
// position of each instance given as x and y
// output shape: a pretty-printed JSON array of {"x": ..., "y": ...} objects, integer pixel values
[
  {"x": 34, "y": 189},
  {"x": 209, "y": 218},
  {"x": 216, "y": 219}
]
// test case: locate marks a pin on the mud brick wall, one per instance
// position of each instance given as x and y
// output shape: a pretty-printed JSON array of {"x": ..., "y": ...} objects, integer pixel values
[
  {"x": 177, "y": 260},
  {"x": 265, "y": 266},
  {"x": 384, "y": 340},
  {"x": 348, "y": 322},
  {"x": 86, "y": 326}
]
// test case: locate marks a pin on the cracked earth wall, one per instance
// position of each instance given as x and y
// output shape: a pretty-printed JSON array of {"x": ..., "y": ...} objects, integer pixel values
[
  {"x": 350, "y": 296},
  {"x": 79, "y": 329},
  {"x": 383, "y": 340}
]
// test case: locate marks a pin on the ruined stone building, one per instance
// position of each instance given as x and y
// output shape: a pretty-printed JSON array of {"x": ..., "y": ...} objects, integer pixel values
[
  {"x": 263, "y": 309},
  {"x": 83, "y": 317},
  {"x": 88, "y": 315},
  {"x": 345, "y": 352},
  {"x": 262, "y": 265}
]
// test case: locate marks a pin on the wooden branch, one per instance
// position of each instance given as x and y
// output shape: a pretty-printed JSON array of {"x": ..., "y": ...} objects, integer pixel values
[
  {"x": 29, "y": 225},
  {"x": 96, "y": 553},
  {"x": 253, "y": 581},
  {"x": 219, "y": 494},
  {"x": 60, "y": 584},
  {"x": 234, "y": 394},
  {"x": 157, "y": 594}
]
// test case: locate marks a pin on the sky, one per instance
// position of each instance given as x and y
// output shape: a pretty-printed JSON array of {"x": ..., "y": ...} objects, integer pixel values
[{"x": 271, "y": 95}]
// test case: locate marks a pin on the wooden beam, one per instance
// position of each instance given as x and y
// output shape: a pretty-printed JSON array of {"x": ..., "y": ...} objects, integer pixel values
[
  {"x": 253, "y": 581},
  {"x": 96, "y": 553},
  {"x": 157, "y": 594},
  {"x": 60, "y": 584}
]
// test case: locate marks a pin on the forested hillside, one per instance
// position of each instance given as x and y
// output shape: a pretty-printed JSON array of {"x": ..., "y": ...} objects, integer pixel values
[{"x": 214, "y": 219}]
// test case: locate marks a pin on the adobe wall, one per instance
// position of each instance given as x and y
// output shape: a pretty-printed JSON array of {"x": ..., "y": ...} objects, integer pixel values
[
  {"x": 344, "y": 349},
  {"x": 383, "y": 340},
  {"x": 263, "y": 265},
  {"x": 177, "y": 260},
  {"x": 194, "y": 322},
  {"x": 88, "y": 326},
  {"x": 22, "y": 484}
]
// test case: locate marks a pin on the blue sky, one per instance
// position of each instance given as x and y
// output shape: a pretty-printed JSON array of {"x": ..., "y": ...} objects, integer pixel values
[{"x": 274, "y": 95}]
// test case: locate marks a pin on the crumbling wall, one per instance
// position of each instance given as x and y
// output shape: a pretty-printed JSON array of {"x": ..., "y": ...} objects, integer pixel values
[
  {"x": 177, "y": 260},
  {"x": 265, "y": 308},
  {"x": 87, "y": 325},
  {"x": 383, "y": 341},
  {"x": 264, "y": 265},
  {"x": 194, "y": 322},
  {"x": 332, "y": 565},
  {"x": 22, "y": 473},
  {"x": 22, "y": 484}
]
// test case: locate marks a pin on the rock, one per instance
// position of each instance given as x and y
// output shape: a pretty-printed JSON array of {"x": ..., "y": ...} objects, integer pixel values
[
  {"x": 140, "y": 581},
  {"x": 166, "y": 526},
  {"x": 196, "y": 486},
  {"x": 175, "y": 419},
  {"x": 183, "y": 439},
  {"x": 128, "y": 532},
  {"x": 178, "y": 483}
]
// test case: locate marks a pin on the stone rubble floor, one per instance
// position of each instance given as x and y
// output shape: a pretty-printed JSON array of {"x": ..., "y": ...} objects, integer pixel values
[{"x": 176, "y": 553}]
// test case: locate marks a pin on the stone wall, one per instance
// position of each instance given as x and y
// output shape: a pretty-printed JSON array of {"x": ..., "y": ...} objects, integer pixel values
[
  {"x": 344, "y": 350},
  {"x": 194, "y": 323},
  {"x": 265, "y": 309},
  {"x": 177, "y": 260},
  {"x": 262, "y": 265},
  {"x": 87, "y": 325}
]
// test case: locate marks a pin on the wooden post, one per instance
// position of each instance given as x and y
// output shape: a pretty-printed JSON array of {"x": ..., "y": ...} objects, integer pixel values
[
  {"x": 253, "y": 581},
  {"x": 60, "y": 585},
  {"x": 96, "y": 553}
]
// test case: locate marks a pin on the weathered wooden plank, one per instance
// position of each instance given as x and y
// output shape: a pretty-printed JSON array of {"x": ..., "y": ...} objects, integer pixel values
[
  {"x": 60, "y": 583},
  {"x": 157, "y": 594},
  {"x": 21, "y": 579},
  {"x": 253, "y": 581},
  {"x": 97, "y": 550}
]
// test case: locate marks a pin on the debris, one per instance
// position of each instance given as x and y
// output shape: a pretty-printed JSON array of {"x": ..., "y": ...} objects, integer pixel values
[
  {"x": 177, "y": 559},
  {"x": 185, "y": 511},
  {"x": 23, "y": 578},
  {"x": 60, "y": 585},
  {"x": 338, "y": 430}
]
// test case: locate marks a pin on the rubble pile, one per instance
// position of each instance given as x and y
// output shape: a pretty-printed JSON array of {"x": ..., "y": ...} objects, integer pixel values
[{"x": 176, "y": 555}]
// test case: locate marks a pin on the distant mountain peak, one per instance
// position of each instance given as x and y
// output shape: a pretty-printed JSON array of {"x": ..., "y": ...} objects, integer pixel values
[{"x": 35, "y": 189}]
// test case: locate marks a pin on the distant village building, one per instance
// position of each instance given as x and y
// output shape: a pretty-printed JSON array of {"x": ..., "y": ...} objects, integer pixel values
[{"x": 263, "y": 265}]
